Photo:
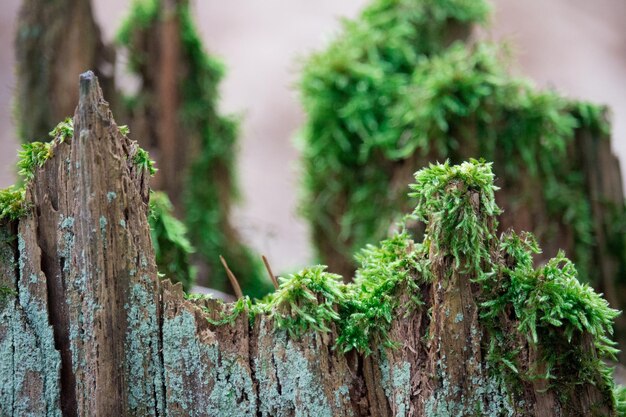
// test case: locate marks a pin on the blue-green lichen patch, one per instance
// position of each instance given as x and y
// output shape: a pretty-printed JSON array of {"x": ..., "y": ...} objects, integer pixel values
[
  {"x": 38, "y": 357},
  {"x": 396, "y": 382},
  {"x": 488, "y": 398},
  {"x": 34, "y": 356},
  {"x": 142, "y": 347},
  {"x": 202, "y": 376},
  {"x": 184, "y": 360},
  {"x": 299, "y": 377},
  {"x": 301, "y": 390}
]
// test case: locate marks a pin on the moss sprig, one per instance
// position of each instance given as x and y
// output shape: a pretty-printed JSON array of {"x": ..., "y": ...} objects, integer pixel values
[
  {"x": 12, "y": 205},
  {"x": 32, "y": 156},
  {"x": 144, "y": 162},
  {"x": 307, "y": 300},
  {"x": 459, "y": 204},
  {"x": 172, "y": 249},
  {"x": 63, "y": 131},
  {"x": 395, "y": 266}
]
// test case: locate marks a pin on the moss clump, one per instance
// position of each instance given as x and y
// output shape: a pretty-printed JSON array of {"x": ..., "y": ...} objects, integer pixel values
[
  {"x": 348, "y": 92},
  {"x": 522, "y": 309},
  {"x": 448, "y": 197},
  {"x": 619, "y": 394},
  {"x": 210, "y": 176},
  {"x": 12, "y": 205},
  {"x": 307, "y": 300},
  {"x": 32, "y": 156},
  {"x": 395, "y": 91},
  {"x": 169, "y": 239},
  {"x": 144, "y": 162},
  {"x": 64, "y": 130},
  {"x": 397, "y": 265}
]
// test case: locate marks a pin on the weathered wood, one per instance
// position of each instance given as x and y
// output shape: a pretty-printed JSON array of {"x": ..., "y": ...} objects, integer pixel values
[{"x": 92, "y": 331}]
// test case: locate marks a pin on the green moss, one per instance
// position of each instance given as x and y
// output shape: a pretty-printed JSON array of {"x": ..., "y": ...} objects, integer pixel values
[
  {"x": 12, "y": 205},
  {"x": 32, "y": 156},
  {"x": 393, "y": 93},
  {"x": 458, "y": 201},
  {"x": 169, "y": 239},
  {"x": 397, "y": 265},
  {"x": 141, "y": 158},
  {"x": 562, "y": 319},
  {"x": 619, "y": 394},
  {"x": 64, "y": 130},
  {"x": 307, "y": 300}
]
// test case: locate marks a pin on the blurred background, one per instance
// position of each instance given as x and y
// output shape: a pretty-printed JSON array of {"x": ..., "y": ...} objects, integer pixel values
[{"x": 574, "y": 46}]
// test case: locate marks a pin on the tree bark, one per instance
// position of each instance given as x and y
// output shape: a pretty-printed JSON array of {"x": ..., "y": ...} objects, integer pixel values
[
  {"x": 91, "y": 330},
  {"x": 56, "y": 40}
]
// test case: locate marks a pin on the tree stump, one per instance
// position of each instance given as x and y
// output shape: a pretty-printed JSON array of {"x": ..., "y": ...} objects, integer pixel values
[{"x": 88, "y": 329}]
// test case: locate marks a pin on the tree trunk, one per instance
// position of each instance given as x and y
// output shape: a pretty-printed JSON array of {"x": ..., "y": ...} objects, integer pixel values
[
  {"x": 175, "y": 117},
  {"x": 89, "y": 329},
  {"x": 56, "y": 40}
]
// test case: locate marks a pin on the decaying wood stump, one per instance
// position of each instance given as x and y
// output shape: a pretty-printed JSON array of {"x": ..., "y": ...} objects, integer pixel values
[{"x": 87, "y": 328}]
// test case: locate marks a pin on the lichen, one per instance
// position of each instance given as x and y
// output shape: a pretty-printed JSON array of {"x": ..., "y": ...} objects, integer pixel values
[
  {"x": 143, "y": 365},
  {"x": 33, "y": 342},
  {"x": 209, "y": 368},
  {"x": 396, "y": 382}
]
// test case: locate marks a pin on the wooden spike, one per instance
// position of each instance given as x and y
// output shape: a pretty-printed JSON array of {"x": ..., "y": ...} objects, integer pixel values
[
  {"x": 232, "y": 278},
  {"x": 269, "y": 271}
]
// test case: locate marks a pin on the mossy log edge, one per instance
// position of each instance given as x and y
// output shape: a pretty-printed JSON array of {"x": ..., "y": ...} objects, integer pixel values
[{"x": 89, "y": 329}]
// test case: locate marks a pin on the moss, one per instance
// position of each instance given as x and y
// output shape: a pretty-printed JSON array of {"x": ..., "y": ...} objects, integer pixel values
[
  {"x": 393, "y": 93},
  {"x": 397, "y": 265},
  {"x": 459, "y": 203},
  {"x": 172, "y": 248},
  {"x": 141, "y": 158},
  {"x": 619, "y": 394},
  {"x": 12, "y": 205},
  {"x": 32, "y": 156},
  {"x": 64, "y": 130},
  {"x": 545, "y": 309}
]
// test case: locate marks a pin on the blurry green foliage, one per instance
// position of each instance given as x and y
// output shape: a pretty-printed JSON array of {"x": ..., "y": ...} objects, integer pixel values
[
  {"x": 399, "y": 89},
  {"x": 210, "y": 184},
  {"x": 169, "y": 239}
]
